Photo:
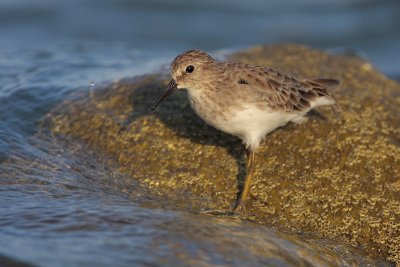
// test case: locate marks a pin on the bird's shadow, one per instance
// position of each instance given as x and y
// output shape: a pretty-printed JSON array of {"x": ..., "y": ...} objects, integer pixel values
[{"x": 176, "y": 113}]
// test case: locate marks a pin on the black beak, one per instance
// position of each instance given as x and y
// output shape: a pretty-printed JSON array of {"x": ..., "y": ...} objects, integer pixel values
[{"x": 172, "y": 86}]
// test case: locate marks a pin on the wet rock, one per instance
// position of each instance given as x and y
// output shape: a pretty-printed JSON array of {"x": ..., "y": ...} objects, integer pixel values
[{"x": 331, "y": 177}]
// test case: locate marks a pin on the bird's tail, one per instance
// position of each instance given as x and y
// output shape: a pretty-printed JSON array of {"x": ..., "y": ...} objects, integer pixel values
[{"x": 329, "y": 85}]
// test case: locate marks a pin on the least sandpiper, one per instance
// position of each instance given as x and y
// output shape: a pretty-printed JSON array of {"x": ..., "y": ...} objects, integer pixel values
[{"x": 246, "y": 101}]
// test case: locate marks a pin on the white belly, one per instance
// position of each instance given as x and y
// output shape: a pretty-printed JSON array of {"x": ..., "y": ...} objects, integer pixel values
[
  {"x": 252, "y": 124},
  {"x": 248, "y": 122}
]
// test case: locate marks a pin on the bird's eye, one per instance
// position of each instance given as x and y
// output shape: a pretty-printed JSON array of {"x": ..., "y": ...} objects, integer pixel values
[{"x": 189, "y": 69}]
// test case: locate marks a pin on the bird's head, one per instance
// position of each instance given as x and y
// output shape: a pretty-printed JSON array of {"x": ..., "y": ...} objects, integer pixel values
[{"x": 187, "y": 71}]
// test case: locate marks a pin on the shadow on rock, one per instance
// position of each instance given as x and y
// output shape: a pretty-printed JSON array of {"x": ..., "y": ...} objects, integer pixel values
[{"x": 176, "y": 114}]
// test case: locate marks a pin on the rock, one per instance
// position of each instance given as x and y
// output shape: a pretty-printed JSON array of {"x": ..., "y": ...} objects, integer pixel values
[{"x": 331, "y": 177}]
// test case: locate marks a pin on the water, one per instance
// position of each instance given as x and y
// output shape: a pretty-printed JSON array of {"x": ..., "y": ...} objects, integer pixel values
[{"x": 61, "y": 207}]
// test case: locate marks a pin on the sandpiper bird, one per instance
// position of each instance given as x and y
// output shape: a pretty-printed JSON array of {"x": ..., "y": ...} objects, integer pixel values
[{"x": 246, "y": 101}]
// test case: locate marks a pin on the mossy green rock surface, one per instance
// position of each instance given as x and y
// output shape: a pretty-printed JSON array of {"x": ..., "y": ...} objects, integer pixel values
[{"x": 331, "y": 177}]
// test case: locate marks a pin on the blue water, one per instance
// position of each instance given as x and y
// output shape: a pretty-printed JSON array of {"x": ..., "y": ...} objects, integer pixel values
[{"x": 60, "y": 210}]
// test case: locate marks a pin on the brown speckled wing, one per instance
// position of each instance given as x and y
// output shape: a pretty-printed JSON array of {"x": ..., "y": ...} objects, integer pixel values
[{"x": 283, "y": 92}]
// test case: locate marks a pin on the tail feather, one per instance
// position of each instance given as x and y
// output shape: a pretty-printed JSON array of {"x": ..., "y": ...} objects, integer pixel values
[
  {"x": 323, "y": 86},
  {"x": 336, "y": 109},
  {"x": 330, "y": 84}
]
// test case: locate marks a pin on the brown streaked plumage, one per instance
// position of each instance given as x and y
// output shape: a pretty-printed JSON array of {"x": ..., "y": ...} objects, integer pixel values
[{"x": 244, "y": 100}]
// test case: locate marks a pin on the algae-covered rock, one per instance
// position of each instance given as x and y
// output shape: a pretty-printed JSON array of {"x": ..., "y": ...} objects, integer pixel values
[{"x": 332, "y": 177}]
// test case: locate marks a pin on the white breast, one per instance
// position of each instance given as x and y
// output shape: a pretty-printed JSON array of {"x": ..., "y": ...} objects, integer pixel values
[
  {"x": 252, "y": 124},
  {"x": 248, "y": 122}
]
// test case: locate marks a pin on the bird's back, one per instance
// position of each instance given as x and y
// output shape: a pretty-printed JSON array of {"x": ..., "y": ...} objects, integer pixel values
[{"x": 278, "y": 91}]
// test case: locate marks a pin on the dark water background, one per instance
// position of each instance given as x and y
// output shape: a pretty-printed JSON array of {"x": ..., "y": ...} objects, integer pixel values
[{"x": 60, "y": 208}]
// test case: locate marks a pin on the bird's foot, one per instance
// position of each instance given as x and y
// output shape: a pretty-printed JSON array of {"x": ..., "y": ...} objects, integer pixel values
[
  {"x": 238, "y": 211},
  {"x": 240, "y": 207},
  {"x": 219, "y": 213}
]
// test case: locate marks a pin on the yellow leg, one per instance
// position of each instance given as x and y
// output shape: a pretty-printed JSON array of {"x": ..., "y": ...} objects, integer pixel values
[{"x": 241, "y": 202}]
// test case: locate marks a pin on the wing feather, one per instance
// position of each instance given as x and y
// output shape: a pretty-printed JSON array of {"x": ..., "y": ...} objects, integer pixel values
[{"x": 284, "y": 92}]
